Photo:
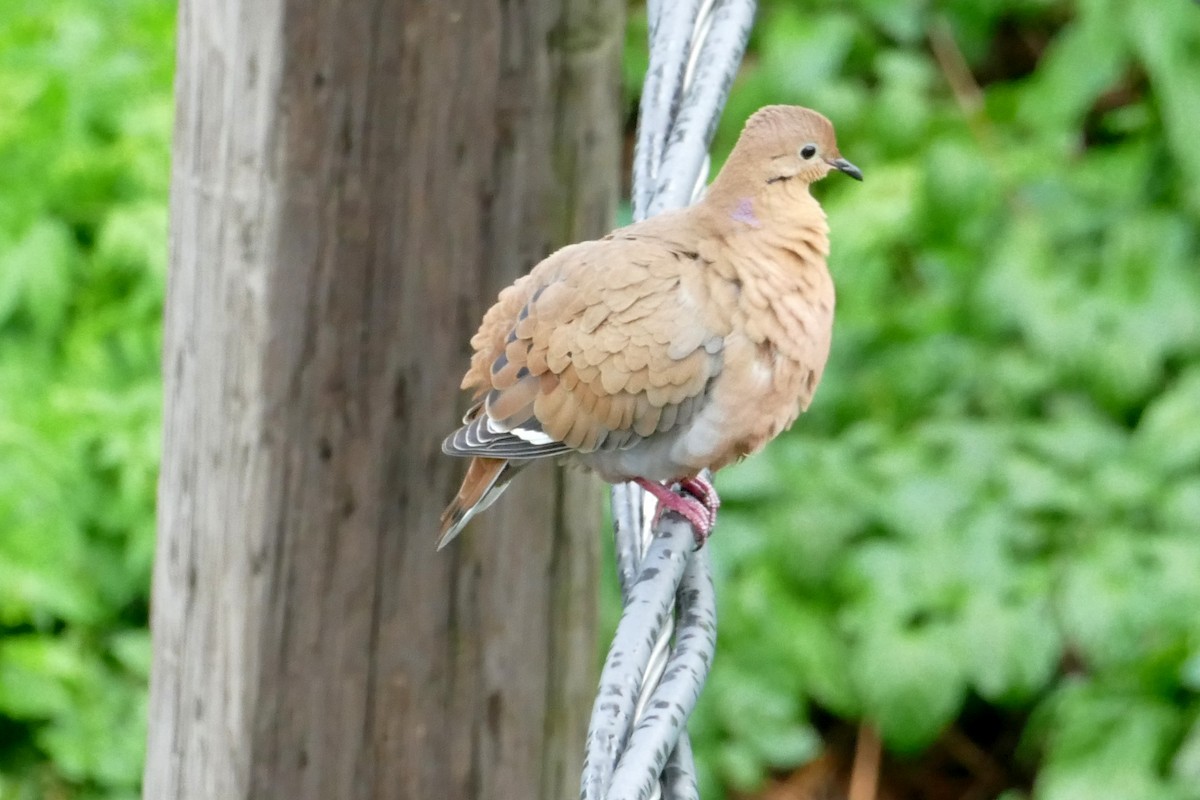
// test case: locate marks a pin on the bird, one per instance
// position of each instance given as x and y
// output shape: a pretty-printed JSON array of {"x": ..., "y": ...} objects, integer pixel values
[{"x": 670, "y": 347}]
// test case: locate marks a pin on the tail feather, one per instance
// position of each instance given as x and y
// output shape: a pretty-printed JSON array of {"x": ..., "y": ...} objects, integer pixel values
[{"x": 486, "y": 480}]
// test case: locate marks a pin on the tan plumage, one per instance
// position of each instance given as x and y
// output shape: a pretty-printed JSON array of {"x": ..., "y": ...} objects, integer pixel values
[{"x": 680, "y": 343}]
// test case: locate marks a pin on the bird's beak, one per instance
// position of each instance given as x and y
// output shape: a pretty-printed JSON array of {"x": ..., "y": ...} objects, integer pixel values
[{"x": 842, "y": 165}]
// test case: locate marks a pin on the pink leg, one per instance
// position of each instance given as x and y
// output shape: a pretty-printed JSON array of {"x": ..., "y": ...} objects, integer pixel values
[{"x": 691, "y": 508}]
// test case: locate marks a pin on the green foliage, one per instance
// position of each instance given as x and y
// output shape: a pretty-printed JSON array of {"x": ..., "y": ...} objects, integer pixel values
[
  {"x": 995, "y": 497},
  {"x": 85, "y": 114},
  {"x": 996, "y": 494}
]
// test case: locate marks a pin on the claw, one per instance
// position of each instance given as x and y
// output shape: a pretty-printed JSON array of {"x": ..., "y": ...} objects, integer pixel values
[
  {"x": 698, "y": 505},
  {"x": 703, "y": 490}
]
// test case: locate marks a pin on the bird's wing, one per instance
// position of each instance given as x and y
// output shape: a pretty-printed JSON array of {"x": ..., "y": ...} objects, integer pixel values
[{"x": 603, "y": 344}]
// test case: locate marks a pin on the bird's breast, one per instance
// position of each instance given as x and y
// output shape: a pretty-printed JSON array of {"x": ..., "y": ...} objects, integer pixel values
[{"x": 782, "y": 328}]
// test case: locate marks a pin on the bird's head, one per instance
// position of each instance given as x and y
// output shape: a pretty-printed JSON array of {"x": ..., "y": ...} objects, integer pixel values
[{"x": 785, "y": 143}]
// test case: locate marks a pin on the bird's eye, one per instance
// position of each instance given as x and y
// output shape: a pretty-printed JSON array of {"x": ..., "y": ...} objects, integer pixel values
[{"x": 808, "y": 151}]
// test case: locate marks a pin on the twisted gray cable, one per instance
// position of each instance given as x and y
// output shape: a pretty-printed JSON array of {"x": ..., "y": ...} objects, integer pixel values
[{"x": 637, "y": 745}]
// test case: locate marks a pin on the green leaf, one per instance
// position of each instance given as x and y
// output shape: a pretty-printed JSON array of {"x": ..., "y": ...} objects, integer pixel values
[
  {"x": 1081, "y": 63},
  {"x": 911, "y": 683},
  {"x": 35, "y": 274},
  {"x": 36, "y": 672},
  {"x": 1167, "y": 436},
  {"x": 1103, "y": 736},
  {"x": 740, "y": 767},
  {"x": 1167, "y": 38},
  {"x": 1010, "y": 649}
]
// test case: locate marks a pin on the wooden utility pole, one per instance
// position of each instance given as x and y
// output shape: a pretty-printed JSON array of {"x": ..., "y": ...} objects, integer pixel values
[{"x": 353, "y": 183}]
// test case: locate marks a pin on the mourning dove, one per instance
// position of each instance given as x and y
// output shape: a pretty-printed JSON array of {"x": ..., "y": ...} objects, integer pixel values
[{"x": 681, "y": 343}]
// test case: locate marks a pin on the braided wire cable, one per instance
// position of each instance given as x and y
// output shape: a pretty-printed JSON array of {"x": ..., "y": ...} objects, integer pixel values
[{"x": 637, "y": 744}]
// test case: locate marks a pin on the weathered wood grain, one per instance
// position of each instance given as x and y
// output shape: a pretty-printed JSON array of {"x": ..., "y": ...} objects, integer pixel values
[{"x": 354, "y": 180}]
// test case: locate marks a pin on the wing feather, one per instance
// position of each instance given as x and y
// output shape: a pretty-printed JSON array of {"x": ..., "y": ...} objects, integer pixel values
[{"x": 602, "y": 345}]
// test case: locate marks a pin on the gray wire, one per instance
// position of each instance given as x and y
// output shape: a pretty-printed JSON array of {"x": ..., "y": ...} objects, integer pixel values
[
  {"x": 671, "y": 27},
  {"x": 672, "y": 701},
  {"x": 651, "y": 600},
  {"x": 677, "y": 81},
  {"x": 627, "y": 535},
  {"x": 637, "y": 745},
  {"x": 679, "y": 778},
  {"x": 691, "y": 133}
]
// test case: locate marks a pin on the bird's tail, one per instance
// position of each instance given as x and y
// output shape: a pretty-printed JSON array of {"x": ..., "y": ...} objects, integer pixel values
[{"x": 486, "y": 479}]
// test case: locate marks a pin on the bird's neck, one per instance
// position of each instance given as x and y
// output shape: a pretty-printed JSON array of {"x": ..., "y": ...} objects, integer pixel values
[
  {"x": 775, "y": 246},
  {"x": 784, "y": 210}
]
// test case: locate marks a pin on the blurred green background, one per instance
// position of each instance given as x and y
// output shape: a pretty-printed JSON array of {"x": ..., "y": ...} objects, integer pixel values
[{"x": 983, "y": 538}]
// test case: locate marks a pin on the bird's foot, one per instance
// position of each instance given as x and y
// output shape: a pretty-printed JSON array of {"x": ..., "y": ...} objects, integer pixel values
[
  {"x": 702, "y": 489},
  {"x": 698, "y": 506}
]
